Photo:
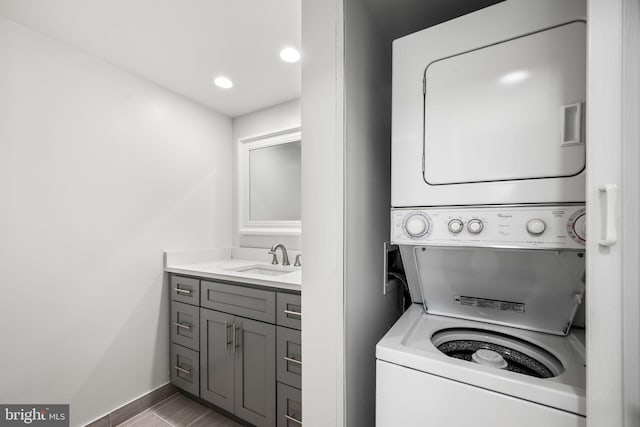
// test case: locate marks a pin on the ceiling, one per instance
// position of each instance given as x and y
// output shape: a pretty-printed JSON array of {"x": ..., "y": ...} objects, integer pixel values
[{"x": 182, "y": 45}]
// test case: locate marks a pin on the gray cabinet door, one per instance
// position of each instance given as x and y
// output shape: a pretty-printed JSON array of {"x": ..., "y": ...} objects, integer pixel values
[
  {"x": 255, "y": 368},
  {"x": 185, "y": 319},
  {"x": 289, "y": 310},
  {"x": 217, "y": 359},
  {"x": 289, "y": 357},
  {"x": 289, "y": 406}
]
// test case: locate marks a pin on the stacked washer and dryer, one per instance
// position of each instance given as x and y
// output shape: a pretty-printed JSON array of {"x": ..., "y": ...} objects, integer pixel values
[{"x": 488, "y": 190}]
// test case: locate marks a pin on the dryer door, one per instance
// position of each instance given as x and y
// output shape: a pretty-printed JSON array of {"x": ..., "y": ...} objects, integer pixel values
[{"x": 508, "y": 111}]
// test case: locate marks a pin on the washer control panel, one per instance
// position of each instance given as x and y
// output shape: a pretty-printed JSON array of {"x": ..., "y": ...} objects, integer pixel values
[{"x": 535, "y": 227}]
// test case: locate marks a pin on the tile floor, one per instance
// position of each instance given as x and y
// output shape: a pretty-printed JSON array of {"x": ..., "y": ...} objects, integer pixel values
[{"x": 179, "y": 411}]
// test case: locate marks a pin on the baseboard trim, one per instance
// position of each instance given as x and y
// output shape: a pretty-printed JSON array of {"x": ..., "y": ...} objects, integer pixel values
[{"x": 133, "y": 408}]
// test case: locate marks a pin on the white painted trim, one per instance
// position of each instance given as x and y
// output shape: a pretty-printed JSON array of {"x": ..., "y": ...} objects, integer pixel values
[
  {"x": 244, "y": 146},
  {"x": 613, "y": 322},
  {"x": 630, "y": 211},
  {"x": 323, "y": 213}
]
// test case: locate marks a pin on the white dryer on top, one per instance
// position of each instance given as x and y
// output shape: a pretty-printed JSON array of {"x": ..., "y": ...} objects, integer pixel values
[{"x": 488, "y": 108}]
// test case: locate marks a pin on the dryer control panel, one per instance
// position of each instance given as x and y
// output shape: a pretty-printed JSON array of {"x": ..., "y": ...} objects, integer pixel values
[{"x": 525, "y": 226}]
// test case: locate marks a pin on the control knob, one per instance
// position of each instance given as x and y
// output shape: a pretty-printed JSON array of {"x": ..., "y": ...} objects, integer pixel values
[
  {"x": 577, "y": 226},
  {"x": 475, "y": 226},
  {"x": 536, "y": 226},
  {"x": 455, "y": 226},
  {"x": 416, "y": 225},
  {"x": 580, "y": 227}
]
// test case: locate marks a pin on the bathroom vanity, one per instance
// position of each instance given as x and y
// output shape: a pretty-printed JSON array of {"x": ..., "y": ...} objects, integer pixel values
[{"x": 235, "y": 339}]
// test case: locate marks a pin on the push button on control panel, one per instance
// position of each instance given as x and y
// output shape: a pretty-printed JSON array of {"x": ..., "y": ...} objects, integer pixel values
[
  {"x": 455, "y": 226},
  {"x": 475, "y": 226}
]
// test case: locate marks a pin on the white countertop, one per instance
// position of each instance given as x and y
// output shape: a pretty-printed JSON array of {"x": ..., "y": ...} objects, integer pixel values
[{"x": 221, "y": 263}]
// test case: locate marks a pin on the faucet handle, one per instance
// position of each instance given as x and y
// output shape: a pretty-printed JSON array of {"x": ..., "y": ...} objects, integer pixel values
[
  {"x": 274, "y": 260},
  {"x": 298, "y": 263}
]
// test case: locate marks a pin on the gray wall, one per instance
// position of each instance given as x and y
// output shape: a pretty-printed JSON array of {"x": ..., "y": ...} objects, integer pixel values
[
  {"x": 345, "y": 210},
  {"x": 368, "y": 313}
]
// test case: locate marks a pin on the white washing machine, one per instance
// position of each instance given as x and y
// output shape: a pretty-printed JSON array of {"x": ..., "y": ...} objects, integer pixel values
[
  {"x": 419, "y": 385},
  {"x": 488, "y": 340}
]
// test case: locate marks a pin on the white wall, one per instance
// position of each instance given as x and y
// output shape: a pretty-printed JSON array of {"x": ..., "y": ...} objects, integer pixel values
[
  {"x": 269, "y": 120},
  {"x": 100, "y": 172}
]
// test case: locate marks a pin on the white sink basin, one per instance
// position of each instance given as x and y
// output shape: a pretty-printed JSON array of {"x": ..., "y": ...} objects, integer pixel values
[{"x": 264, "y": 270}]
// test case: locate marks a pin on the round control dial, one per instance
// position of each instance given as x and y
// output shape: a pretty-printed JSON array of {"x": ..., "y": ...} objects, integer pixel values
[
  {"x": 580, "y": 227},
  {"x": 536, "y": 226},
  {"x": 455, "y": 226},
  {"x": 577, "y": 226},
  {"x": 475, "y": 226},
  {"x": 416, "y": 225}
]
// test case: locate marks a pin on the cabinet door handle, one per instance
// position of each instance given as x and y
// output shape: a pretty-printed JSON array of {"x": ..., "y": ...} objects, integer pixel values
[
  {"x": 184, "y": 371},
  {"x": 288, "y": 359},
  {"x": 226, "y": 335},
  {"x": 183, "y": 291},
  {"x": 183, "y": 325},
  {"x": 293, "y": 419},
  {"x": 235, "y": 339},
  {"x": 293, "y": 313}
]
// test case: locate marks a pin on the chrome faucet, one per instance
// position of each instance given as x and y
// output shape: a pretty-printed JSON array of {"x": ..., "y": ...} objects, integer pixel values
[{"x": 285, "y": 257}]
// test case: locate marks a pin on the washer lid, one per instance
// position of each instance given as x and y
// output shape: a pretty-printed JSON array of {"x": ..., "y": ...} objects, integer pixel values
[{"x": 538, "y": 290}]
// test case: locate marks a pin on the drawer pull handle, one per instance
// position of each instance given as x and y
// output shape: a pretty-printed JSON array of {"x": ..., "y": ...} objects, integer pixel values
[
  {"x": 183, "y": 291},
  {"x": 288, "y": 359},
  {"x": 183, "y": 325},
  {"x": 184, "y": 371},
  {"x": 292, "y": 419},
  {"x": 293, "y": 313}
]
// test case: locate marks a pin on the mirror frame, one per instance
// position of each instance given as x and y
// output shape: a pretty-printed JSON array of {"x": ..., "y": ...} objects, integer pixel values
[{"x": 244, "y": 147}]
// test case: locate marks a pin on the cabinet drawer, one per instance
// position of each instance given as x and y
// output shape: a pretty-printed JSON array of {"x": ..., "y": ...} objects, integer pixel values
[
  {"x": 185, "y": 325},
  {"x": 289, "y": 406},
  {"x": 289, "y": 311},
  {"x": 185, "y": 289},
  {"x": 185, "y": 366},
  {"x": 289, "y": 356},
  {"x": 252, "y": 303}
]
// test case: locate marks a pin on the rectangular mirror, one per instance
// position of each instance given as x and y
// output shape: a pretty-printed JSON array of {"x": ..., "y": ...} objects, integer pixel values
[{"x": 269, "y": 183}]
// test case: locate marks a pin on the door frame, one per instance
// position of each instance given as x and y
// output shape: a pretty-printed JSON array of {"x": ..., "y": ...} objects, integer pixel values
[{"x": 613, "y": 157}]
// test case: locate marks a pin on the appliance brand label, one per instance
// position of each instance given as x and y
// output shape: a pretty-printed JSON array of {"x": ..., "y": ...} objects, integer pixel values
[{"x": 490, "y": 303}]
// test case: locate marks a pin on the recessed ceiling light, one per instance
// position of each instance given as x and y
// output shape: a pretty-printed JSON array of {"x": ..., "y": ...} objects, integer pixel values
[
  {"x": 223, "y": 82},
  {"x": 289, "y": 54}
]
